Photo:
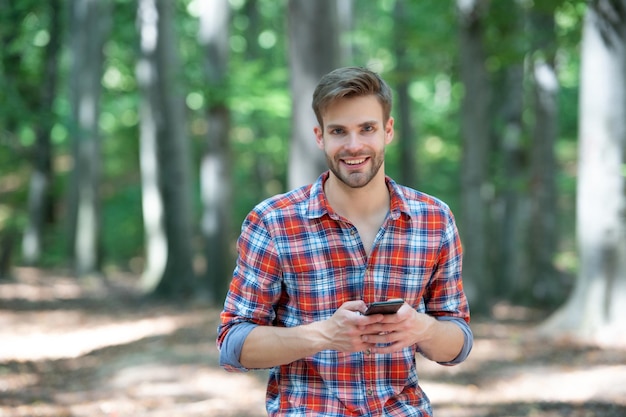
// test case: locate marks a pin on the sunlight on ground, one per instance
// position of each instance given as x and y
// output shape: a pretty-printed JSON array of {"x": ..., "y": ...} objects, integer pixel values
[
  {"x": 17, "y": 382},
  {"x": 527, "y": 381},
  {"x": 62, "y": 356},
  {"x": 33, "y": 286},
  {"x": 163, "y": 364},
  {"x": 61, "y": 290},
  {"x": 72, "y": 344},
  {"x": 68, "y": 333},
  {"x": 157, "y": 390},
  {"x": 602, "y": 383}
]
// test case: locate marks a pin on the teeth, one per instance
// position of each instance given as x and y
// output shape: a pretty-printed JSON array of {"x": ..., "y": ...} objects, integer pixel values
[{"x": 355, "y": 162}]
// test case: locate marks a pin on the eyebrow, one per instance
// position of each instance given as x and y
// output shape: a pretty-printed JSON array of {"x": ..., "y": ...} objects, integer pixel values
[{"x": 365, "y": 123}]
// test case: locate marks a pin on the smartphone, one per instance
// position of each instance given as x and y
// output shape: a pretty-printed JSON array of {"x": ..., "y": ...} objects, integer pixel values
[{"x": 385, "y": 307}]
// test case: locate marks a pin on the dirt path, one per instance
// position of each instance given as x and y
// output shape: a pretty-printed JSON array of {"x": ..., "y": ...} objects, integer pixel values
[{"x": 94, "y": 350}]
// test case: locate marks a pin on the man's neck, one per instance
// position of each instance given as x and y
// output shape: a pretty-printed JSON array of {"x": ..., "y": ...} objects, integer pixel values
[{"x": 358, "y": 204}]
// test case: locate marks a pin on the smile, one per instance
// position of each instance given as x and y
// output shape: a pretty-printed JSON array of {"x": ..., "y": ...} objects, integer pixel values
[{"x": 354, "y": 161}]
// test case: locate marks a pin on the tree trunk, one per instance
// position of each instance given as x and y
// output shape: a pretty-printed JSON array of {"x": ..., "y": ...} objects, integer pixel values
[
  {"x": 345, "y": 21},
  {"x": 475, "y": 133},
  {"x": 165, "y": 157},
  {"x": 40, "y": 196},
  {"x": 313, "y": 52},
  {"x": 594, "y": 311},
  {"x": 407, "y": 138},
  {"x": 511, "y": 263},
  {"x": 175, "y": 162},
  {"x": 216, "y": 177},
  {"x": 507, "y": 252},
  {"x": 90, "y": 22},
  {"x": 544, "y": 284},
  {"x": 149, "y": 116}
]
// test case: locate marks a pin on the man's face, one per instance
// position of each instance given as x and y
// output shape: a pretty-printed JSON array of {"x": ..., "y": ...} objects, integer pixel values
[{"x": 354, "y": 139}]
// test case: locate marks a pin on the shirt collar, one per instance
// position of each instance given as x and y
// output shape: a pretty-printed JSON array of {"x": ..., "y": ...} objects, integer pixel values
[{"x": 318, "y": 204}]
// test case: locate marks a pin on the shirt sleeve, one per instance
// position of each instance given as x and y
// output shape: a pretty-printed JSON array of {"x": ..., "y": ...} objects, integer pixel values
[
  {"x": 468, "y": 341},
  {"x": 445, "y": 295},
  {"x": 232, "y": 345},
  {"x": 254, "y": 291},
  {"x": 446, "y": 299}
]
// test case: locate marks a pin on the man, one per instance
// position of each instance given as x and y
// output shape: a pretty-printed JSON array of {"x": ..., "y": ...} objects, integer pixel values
[{"x": 312, "y": 260}]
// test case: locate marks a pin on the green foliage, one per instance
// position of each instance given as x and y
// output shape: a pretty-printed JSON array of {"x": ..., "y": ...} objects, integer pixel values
[
  {"x": 261, "y": 111},
  {"x": 122, "y": 223},
  {"x": 257, "y": 94}
]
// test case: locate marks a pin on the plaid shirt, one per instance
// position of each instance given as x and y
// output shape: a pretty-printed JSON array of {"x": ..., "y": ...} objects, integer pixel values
[{"x": 299, "y": 262}]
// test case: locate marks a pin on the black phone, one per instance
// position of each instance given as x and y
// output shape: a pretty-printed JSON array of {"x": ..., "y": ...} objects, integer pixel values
[{"x": 385, "y": 307}]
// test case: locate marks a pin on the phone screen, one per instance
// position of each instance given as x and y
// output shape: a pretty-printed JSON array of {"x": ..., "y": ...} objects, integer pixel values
[{"x": 384, "y": 307}]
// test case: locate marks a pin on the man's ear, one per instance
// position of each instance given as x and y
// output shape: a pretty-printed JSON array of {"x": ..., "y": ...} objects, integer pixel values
[
  {"x": 389, "y": 131},
  {"x": 319, "y": 137}
]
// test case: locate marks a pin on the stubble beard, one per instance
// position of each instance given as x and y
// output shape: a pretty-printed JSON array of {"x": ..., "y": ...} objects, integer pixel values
[{"x": 356, "y": 179}]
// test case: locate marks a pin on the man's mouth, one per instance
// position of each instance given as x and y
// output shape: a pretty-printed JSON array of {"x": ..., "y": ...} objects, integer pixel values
[{"x": 354, "y": 162}]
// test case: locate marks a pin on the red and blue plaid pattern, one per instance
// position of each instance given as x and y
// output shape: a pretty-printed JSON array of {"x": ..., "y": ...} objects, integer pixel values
[{"x": 299, "y": 261}]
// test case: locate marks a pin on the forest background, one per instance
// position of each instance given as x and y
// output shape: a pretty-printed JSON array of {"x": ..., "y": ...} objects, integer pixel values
[{"x": 136, "y": 135}]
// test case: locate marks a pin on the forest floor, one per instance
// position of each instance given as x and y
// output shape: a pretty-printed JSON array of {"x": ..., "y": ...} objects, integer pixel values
[{"x": 89, "y": 349}]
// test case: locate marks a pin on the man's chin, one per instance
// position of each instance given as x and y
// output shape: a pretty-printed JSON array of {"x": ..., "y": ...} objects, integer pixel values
[{"x": 355, "y": 180}]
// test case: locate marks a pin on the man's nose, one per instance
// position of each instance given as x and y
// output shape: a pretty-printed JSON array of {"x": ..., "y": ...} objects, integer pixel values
[{"x": 354, "y": 141}]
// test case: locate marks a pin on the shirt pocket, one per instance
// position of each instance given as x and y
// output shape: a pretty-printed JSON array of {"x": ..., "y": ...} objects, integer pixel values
[
  {"x": 406, "y": 282},
  {"x": 317, "y": 294}
]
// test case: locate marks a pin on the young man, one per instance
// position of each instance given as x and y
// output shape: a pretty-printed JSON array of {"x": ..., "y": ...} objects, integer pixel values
[{"x": 312, "y": 260}]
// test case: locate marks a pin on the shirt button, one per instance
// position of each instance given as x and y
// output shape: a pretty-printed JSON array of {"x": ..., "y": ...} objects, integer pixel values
[
  {"x": 368, "y": 352},
  {"x": 369, "y": 392}
]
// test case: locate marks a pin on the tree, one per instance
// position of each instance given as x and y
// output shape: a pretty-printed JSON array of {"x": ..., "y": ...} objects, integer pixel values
[
  {"x": 313, "y": 52},
  {"x": 528, "y": 232},
  {"x": 27, "y": 86},
  {"x": 345, "y": 20},
  {"x": 215, "y": 175},
  {"x": 165, "y": 157},
  {"x": 90, "y": 22},
  {"x": 543, "y": 282},
  {"x": 511, "y": 208},
  {"x": 475, "y": 133},
  {"x": 153, "y": 210},
  {"x": 407, "y": 137},
  {"x": 593, "y": 311},
  {"x": 40, "y": 196}
]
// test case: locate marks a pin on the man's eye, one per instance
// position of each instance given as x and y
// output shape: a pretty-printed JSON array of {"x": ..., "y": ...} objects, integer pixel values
[
  {"x": 368, "y": 128},
  {"x": 336, "y": 132}
]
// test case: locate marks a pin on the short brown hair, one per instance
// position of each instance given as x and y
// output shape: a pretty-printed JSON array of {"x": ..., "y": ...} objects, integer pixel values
[{"x": 351, "y": 82}]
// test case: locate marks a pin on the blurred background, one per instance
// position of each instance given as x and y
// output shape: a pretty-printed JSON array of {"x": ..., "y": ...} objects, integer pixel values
[{"x": 135, "y": 135}]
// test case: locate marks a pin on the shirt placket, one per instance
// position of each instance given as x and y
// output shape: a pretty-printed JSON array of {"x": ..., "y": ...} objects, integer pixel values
[
  {"x": 369, "y": 358},
  {"x": 368, "y": 295},
  {"x": 369, "y": 377}
]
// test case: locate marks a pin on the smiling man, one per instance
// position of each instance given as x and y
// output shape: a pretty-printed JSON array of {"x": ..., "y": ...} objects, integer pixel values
[{"x": 311, "y": 261}]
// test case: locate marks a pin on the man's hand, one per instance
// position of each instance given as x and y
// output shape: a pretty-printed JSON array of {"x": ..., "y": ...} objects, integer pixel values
[
  {"x": 347, "y": 329},
  {"x": 402, "y": 329},
  {"x": 438, "y": 340}
]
